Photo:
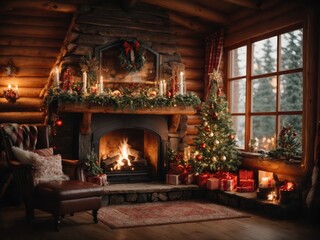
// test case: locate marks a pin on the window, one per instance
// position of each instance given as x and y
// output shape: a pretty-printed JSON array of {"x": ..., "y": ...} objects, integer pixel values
[{"x": 265, "y": 84}]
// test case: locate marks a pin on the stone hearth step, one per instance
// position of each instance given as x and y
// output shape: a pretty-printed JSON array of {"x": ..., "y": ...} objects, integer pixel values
[{"x": 129, "y": 193}]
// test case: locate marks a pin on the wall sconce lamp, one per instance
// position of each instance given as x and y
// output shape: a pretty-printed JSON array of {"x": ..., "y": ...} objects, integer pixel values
[{"x": 11, "y": 94}]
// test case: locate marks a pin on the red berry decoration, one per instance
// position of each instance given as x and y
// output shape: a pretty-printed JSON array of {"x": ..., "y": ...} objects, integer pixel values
[
  {"x": 199, "y": 157},
  {"x": 203, "y": 145}
]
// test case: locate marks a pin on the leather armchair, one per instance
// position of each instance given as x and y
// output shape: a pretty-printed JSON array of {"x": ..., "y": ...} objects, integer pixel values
[{"x": 56, "y": 197}]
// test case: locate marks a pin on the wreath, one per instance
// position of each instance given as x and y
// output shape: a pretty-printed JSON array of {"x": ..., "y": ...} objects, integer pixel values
[{"x": 132, "y": 57}]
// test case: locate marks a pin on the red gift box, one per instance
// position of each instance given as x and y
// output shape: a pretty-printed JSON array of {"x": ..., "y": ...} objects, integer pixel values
[
  {"x": 213, "y": 183},
  {"x": 246, "y": 185},
  {"x": 100, "y": 179},
  {"x": 245, "y": 189},
  {"x": 228, "y": 182},
  {"x": 202, "y": 179},
  {"x": 245, "y": 174},
  {"x": 187, "y": 178}
]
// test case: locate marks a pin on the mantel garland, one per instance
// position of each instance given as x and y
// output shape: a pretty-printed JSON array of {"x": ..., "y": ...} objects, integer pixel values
[{"x": 121, "y": 99}]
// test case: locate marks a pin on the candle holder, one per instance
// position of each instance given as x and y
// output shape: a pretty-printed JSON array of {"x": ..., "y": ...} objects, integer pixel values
[
  {"x": 11, "y": 95},
  {"x": 263, "y": 192}
]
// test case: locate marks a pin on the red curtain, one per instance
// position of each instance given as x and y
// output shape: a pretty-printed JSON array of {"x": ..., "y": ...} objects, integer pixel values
[{"x": 214, "y": 51}]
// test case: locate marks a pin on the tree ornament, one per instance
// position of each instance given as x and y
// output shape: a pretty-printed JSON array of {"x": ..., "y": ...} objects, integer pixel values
[
  {"x": 216, "y": 142},
  {"x": 207, "y": 129},
  {"x": 203, "y": 145},
  {"x": 214, "y": 159},
  {"x": 211, "y": 134},
  {"x": 219, "y": 92},
  {"x": 199, "y": 157},
  {"x": 231, "y": 136},
  {"x": 205, "y": 123},
  {"x": 59, "y": 122},
  {"x": 223, "y": 158},
  {"x": 168, "y": 94},
  {"x": 215, "y": 115}
]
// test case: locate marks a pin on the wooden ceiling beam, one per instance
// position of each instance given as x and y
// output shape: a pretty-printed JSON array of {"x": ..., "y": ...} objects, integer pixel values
[
  {"x": 254, "y": 4},
  {"x": 183, "y": 21},
  {"x": 190, "y": 8},
  {"x": 40, "y": 4}
]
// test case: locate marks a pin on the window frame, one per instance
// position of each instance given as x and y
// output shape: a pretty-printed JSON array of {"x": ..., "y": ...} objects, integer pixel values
[{"x": 249, "y": 77}]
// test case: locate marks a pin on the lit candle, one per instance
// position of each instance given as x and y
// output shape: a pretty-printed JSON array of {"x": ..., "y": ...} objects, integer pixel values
[
  {"x": 9, "y": 86},
  {"x": 84, "y": 78},
  {"x": 57, "y": 76},
  {"x": 164, "y": 87},
  {"x": 101, "y": 84},
  {"x": 161, "y": 88},
  {"x": 181, "y": 83}
]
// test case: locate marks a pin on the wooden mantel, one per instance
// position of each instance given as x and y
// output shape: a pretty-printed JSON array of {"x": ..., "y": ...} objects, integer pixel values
[{"x": 88, "y": 109}]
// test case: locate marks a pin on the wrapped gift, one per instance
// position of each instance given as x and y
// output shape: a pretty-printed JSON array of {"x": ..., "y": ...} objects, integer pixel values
[
  {"x": 187, "y": 178},
  {"x": 245, "y": 174},
  {"x": 173, "y": 179},
  {"x": 213, "y": 183},
  {"x": 100, "y": 179},
  {"x": 228, "y": 182},
  {"x": 247, "y": 184},
  {"x": 202, "y": 180}
]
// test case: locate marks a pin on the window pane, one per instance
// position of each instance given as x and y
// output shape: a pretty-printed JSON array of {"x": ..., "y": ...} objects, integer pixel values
[
  {"x": 291, "y": 50},
  {"x": 238, "y": 95},
  {"x": 295, "y": 121},
  {"x": 239, "y": 127},
  {"x": 264, "y": 56},
  {"x": 264, "y": 94},
  {"x": 238, "y": 62},
  {"x": 291, "y": 92},
  {"x": 264, "y": 129}
]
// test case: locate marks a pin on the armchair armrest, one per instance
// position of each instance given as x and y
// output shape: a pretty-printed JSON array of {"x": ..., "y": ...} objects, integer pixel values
[
  {"x": 22, "y": 175},
  {"x": 74, "y": 169}
]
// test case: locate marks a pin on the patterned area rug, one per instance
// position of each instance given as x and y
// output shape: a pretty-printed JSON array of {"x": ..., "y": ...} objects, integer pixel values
[{"x": 150, "y": 214}]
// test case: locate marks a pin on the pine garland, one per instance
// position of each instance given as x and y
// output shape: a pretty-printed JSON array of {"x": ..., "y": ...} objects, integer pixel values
[{"x": 125, "y": 99}]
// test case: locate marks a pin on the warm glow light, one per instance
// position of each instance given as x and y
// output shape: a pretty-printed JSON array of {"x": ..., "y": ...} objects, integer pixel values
[
  {"x": 9, "y": 86},
  {"x": 124, "y": 154}
]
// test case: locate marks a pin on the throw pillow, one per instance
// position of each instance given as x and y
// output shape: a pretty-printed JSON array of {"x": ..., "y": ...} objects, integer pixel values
[
  {"x": 21, "y": 155},
  {"x": 47, "y": 168},
  {"x": 46, "y": 152}
]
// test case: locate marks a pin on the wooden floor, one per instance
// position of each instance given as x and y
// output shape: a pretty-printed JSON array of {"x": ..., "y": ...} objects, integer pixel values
[{"x": 80, "y": 226}]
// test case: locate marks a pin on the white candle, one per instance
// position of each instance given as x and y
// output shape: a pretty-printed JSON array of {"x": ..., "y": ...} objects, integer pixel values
[
  {"x": 161, "y": 88},
  {"x": 164, "y": 87},
  {"x": 84, "y": 78},
  {"x": 9, "y": 86},
  {"x": 57, "y": 76},
  {"x": 181, "y": 83},
  {"x": 17, "y": 89},
  {"x": 101, "y": 84},
  {"x": 265, "y": 182}
]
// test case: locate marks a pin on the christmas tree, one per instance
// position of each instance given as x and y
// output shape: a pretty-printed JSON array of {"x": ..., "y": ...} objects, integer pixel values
[{"x": 215, "y": 144}]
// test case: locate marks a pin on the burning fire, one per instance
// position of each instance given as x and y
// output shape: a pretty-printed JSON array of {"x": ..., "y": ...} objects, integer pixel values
[{"x": 123, "y": 159}]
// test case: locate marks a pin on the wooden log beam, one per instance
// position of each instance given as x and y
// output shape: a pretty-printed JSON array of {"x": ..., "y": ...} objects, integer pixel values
[
  {"x": 245, "y": 3},
  {"x": 22, "y": 117},
  {"x": 174, "y": 123},
  {"x": 190, "y": 8},
  {"x": 183, "y": 21},
  {"x": 22, "y": 104},
  {"x": 39, "y": 4}
]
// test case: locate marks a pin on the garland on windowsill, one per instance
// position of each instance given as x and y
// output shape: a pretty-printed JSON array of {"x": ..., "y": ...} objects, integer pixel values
[{"x": 121, "y": 99}]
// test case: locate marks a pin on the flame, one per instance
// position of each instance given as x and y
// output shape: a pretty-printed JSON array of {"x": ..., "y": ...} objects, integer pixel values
[{"x": 124, "y": 149}]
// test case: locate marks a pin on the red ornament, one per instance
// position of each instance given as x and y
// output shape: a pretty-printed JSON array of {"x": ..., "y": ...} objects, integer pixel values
[
  {"x": 203, "y": 145},
  {"x": 168, "y": 94},
  {"x": 59, "y": 122},
  {"x": 215, "y": 115},
  {"x": 231, "y": 136},
  {"x": 207, "y": 128},
  {"x": 199, "y": 157}
]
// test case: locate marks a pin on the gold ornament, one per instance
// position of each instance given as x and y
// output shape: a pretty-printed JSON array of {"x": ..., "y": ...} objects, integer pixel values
[{"x": 223, "y": 158}]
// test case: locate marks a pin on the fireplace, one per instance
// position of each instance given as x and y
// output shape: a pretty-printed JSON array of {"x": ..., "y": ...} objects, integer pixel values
[{"x": 145, "y": 138}]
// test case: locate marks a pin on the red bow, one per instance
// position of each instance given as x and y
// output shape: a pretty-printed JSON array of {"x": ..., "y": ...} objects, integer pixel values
[
  {"x": 184, "y": 169},
  {"x": 127, "y": 47}
]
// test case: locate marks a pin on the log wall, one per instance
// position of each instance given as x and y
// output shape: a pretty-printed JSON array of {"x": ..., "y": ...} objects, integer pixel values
[{"x": 32, "y": 40}]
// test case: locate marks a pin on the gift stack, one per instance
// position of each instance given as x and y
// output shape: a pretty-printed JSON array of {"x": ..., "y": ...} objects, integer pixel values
[
  {"x": 100, "y": 179},
  {"x": 180, "y": 174},
  {"x": 224, "y": 181},
  {"x": 246, "y": 181}
]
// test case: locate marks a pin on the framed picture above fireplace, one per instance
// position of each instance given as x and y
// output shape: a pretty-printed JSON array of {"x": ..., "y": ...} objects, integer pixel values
[{"x": 112, "y": 71}]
